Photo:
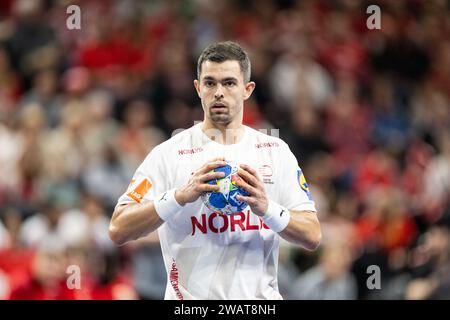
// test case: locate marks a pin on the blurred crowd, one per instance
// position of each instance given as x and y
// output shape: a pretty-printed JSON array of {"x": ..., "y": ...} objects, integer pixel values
[{"x": 366, "y": 112}]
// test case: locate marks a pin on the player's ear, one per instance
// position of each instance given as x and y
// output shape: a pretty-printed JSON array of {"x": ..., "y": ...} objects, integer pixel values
[
  {"x": 249, "y": 87},
  {"x": 197, "y": 87}
]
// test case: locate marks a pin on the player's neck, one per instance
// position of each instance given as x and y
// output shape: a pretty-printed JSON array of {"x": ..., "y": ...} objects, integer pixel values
[{"x": 223, "y": 133}]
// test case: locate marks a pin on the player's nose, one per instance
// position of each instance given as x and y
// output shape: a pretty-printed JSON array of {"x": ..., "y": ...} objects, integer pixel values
[{"x": 219, "y": 92}]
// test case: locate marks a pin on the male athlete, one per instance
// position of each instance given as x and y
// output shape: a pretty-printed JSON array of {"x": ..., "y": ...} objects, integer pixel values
[{"x": 208, "y": 255}]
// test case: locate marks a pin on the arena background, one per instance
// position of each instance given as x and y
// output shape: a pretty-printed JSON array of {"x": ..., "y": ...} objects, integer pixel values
[{"x": 366, "y": 112}]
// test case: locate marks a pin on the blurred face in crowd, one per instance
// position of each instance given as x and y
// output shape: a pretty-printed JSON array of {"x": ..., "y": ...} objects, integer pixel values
[
  {"x": 336, "y": 260},
  {"x": 48, "y": 267},
  {"x": 222, "y": 90},
  {"x": 138, "y": 114}
]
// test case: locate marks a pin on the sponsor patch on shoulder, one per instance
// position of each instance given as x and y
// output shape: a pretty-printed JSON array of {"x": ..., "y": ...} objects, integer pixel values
[
  {"x": 303, "y": 184},
  {"x": 137, "y": 193}
]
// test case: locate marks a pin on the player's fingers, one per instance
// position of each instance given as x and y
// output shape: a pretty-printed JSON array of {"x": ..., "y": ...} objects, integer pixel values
[
  {"x": 211, "y": 165},
  {"x": 210, "y": 176},
  {"x": 208, "y": 167},
  {"x": 250, "y": 170},
  {"x": 204, "y": 187},
  {"x": 247, "y": 187},
  {"x": 248, "y": 177},
  {"x": 249, "y": 200},
  {"x": 215, "y": 160}
]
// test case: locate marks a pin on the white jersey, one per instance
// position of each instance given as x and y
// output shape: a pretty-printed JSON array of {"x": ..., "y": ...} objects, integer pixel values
[{"x": 211, "y": 256}]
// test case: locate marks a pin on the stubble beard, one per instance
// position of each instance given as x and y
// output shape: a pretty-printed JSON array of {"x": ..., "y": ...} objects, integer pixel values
[{"x": 220, "y": 118}]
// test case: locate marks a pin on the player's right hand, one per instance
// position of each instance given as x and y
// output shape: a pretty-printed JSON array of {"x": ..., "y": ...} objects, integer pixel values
[{"x": 198, "y": 182}]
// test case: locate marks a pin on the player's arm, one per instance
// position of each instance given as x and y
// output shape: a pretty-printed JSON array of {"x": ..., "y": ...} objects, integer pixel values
[
  {"x": 299, "y": 227},
  {"x": 303, "y": 229},
  {"x": 132, "y": 221}
]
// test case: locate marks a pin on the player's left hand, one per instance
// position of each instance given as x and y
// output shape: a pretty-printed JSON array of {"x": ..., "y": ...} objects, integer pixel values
[{"x": 250, "y": 182}]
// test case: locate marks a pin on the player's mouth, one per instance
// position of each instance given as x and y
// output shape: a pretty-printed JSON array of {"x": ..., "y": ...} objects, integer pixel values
[{"x": 219, "y": 107}]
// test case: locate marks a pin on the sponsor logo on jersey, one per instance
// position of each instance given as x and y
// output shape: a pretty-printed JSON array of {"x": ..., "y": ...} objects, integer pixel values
[
  {"x": 266, "y": 145},
  {"x": 174, "y": 282},
  {"x": 182, "y": 152},
  {"x": 218, "y": 223},
  {"x": 131, "y": 185},
  {"x": 303, "y": 184},
  {"x": 265, "y": 170},
  {"x": 138, "y": 193}
]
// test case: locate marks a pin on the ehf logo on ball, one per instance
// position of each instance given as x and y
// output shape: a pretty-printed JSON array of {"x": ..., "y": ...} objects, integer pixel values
[{"x": 224, "y": 201}]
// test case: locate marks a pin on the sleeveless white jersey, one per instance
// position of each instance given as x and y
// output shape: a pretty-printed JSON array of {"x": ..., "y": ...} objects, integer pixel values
[{"x": 211, "y": 256}]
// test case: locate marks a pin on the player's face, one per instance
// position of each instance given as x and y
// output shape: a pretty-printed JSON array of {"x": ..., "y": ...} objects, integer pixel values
[{"x": 222, "y": 91}]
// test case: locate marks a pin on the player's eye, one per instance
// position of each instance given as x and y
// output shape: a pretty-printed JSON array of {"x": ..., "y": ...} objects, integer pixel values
[
  {"x": 209, "y": 83},
  {"x": 230, "y": 83}
]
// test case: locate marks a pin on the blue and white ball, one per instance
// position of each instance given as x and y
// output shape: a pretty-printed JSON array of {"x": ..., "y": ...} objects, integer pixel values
[{"x": 224, "y": 201}]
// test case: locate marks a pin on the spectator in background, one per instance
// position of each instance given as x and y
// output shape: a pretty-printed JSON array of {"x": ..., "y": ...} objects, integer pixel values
[
  {"x": 100, "y": 125},
  {"x": 307, "y": 136},
  {"x": 43, "y": 225},
  {"x": 331, "y": 279},
  {"x": 12, "y": 149},
  {"x": 437, "y": 179},
  {"x": 296, "y": 75},
  {"x": 44, "y": 92},
  {"x": 92, "y": 225},
  {"x": 47, "y": 280},
  {"x": 391, "y": 129},
  {"x": 138, "y": 134},
  {"x": 105, "y": 177},
  {"x": 347, "y": 124},
  {"x": 4, "y": 286},
  {"x": 149, "y": 273},
  {"x": 9, "y": 83},
  {"x": 288, "y": 271},
  {"x": 33, "y": 43},
  {"x": 111, "y": 281},
  {"x": 15, "y": 256},
  {"x": 430, "y": 262}
]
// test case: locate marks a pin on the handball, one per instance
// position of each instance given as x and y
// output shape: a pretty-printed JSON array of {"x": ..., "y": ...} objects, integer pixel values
[{"x": 224, "y": 201}]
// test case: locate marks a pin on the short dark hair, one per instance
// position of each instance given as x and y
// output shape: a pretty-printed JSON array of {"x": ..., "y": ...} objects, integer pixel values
[{"x": 223, "y": 51}]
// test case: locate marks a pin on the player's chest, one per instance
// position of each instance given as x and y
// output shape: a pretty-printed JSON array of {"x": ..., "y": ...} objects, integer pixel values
[{"x": 192, "y": 160}]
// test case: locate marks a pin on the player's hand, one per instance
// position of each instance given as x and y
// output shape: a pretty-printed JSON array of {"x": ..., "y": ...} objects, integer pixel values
[
  {"x": 197, "y": 183},
  {"x": 250, "y": 182}
]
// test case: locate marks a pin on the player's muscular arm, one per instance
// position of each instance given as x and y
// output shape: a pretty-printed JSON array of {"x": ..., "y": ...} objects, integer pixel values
[
  {"x": 133, "y": 221},
  {"x": 303, "y": 228}
]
